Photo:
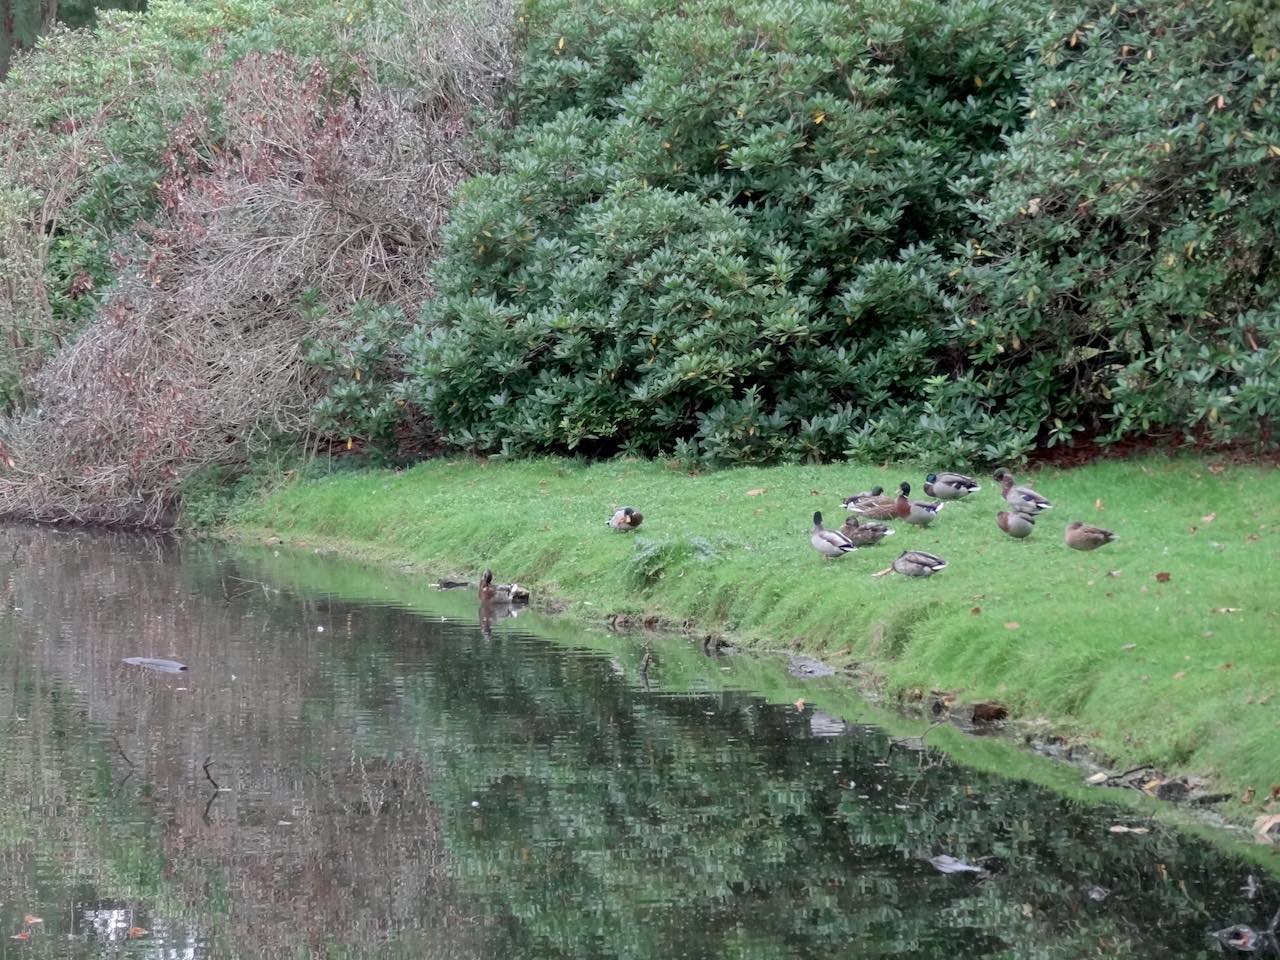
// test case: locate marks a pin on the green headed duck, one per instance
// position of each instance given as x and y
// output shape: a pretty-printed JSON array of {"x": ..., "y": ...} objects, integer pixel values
[
  {"x": 1082, "y": 536},
  {"x": 949, "y": 486}
]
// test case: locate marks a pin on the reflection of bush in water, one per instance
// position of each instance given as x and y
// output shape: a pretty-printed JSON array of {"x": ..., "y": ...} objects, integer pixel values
[{"x": 715, "y": 826}]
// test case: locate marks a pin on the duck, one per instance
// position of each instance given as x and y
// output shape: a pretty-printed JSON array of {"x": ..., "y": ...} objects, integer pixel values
[
  {"x": 1083, "y": 536},
  {"x": 864, "y": 534},
  {"x": 1017, "y": 525},
  {"x": 872, "y": 504},
  {"x": 852, "y": 501},
  {"x": 1022, "y": 499},
  {"x": 918, "y": 512},
  {"x": 917, "y": 563},
  {"x": 949, "y": 486},
  {"x": 829, "y": 543},
  {"x": 626, "y": 518},
  {"x": 491, "y": 592}
]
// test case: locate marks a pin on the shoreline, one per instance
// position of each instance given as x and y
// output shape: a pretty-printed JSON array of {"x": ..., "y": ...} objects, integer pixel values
[{"x": 874, "y": 655}]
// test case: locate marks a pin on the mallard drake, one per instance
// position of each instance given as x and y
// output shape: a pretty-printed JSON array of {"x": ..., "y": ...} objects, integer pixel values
[
  {"x": 1017, "y": 525},
  {"x": 918, "y": 512},
  {"x": 1082, "y": 536},
  {"x": 864, "y": 534},
  {"x": 491, "y": 592},
  {"x": 626, "y": 518},
  {"x": 829, "y": 543},
  {"x": 917, "y": 563},
  {"x": 1022, "y": 499},
  {"x": 874, "y": 505},
  {"x": 949, "y": 486}
]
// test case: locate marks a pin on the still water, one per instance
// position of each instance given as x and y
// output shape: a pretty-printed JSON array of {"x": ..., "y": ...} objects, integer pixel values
[{"x": 339, "y": 777}]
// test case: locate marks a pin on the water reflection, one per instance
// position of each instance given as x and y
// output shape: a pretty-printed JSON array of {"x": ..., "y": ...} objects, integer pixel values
[{"x": 344, "y": 779}]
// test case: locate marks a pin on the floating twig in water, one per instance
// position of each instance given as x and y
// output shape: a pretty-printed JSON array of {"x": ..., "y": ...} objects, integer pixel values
[
  {"x": 120, "y": 750},
  {"x": 208, "y": 762}
]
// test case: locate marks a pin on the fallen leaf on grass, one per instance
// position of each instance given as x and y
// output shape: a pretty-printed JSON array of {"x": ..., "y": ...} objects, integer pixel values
[
  {"x": 976, "y": 610},
  {"x": 1228, "y": 609},
  {"x": 1180, "y": 674},
  {"x": 1163, "y": 576},
  {"x": 1209, "y": 518},
  {"x": 1216, "y": 468},
  {"x": 814, "y": 493},
  {"x": 756, "y": 491},
  {"x": 1121, "y": 828},
  {"x": 1012, "y": 625},
  {"x": 1130, "y": 646},
  {"x": 1097, "y": 504},
  {"x": 1097, "y": 778},
  {"x": 1114, "y": 573}
]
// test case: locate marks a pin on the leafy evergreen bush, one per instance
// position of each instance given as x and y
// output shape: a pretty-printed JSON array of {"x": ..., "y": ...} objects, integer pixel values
[{"x": 790, "y": 230}]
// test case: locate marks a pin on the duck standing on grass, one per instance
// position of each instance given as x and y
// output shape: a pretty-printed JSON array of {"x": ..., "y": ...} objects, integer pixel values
[
  {"x": 917, "y": 563},
  {"x": 918, "y": 512},
  {"x": 829, "y": 543},
  {"x": 864, "y": 534},
  {"x": 873, "y": 504},
  {"x": 1017, "y": 525},
  {"x": 949, "y": 486},
  {"x": 1082, "y": 536},
  {"x": 1022, "y": 499},
  {"x": 491, "y": 592},
  {"x": 626, "y": 518}
]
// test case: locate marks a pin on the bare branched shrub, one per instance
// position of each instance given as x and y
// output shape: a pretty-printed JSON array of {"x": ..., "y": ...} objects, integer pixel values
[{"x": 302, "y": 186}]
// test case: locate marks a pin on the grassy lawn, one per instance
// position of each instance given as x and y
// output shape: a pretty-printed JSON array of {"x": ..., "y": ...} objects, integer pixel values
[{"x": 1182, "y": 671}]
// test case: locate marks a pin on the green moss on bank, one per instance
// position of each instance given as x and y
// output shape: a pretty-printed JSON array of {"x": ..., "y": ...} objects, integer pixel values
[{"x": 1181, "y": 672}]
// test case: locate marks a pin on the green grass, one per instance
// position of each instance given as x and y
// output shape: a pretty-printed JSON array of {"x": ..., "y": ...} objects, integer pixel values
[{"x": 1183, "y": 673}]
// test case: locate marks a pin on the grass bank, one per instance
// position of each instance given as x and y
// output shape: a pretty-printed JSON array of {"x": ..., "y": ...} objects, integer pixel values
[{"x": 1159, "y": 648}]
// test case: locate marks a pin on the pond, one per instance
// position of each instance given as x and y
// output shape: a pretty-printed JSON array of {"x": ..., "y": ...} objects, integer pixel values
[{"x": 336, "y": 774}]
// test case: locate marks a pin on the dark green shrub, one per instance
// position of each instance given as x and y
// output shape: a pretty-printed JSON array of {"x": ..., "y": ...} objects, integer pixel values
[
  {"x": 362, "y": 390},
  {"x": 788, "y": 231},
  {"x": 1127, "y": 273}
]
